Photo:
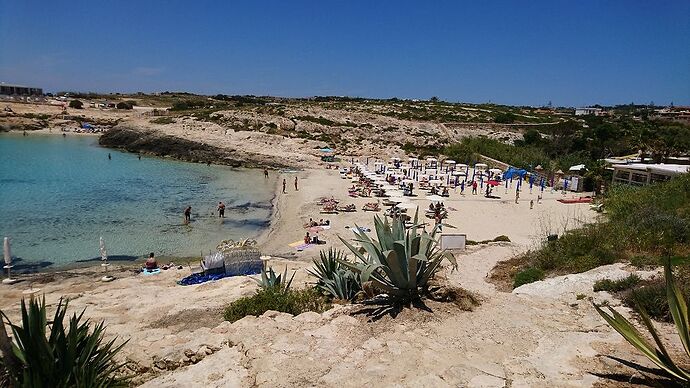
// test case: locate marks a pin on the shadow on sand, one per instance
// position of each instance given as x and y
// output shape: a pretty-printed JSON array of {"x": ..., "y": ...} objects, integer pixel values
[
  {"x": 379, "y": 308},
  {"x": 644, "y": 376}
]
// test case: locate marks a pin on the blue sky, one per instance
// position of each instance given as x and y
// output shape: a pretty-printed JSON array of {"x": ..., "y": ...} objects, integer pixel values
[{"x": 523, "y": 52}]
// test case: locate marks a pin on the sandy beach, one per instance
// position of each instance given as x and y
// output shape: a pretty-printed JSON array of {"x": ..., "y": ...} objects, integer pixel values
[{"x": 177, "y": 336}]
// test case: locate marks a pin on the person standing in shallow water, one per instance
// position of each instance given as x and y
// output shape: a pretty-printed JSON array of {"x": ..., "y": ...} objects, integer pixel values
[
  {"x": 296, "y": 189},
  {"x": 221, "y": 209},
  {"x": 109, "y": 157},
  {"x": 266, "y": 173},
  {"x": 187, "y": 214},
  {"x": 284, "y": 183}
]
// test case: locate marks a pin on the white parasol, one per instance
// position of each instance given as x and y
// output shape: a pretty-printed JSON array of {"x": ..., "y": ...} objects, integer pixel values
[
  {"x": 104, "y": 259},
  {"x": 7, "y": 252}
]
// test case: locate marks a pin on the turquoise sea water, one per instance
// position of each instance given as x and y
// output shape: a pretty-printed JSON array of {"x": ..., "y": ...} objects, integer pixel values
[{"x": 58, "y": 195}]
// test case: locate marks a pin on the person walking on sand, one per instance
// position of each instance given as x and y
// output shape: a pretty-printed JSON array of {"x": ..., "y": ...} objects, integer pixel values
[
  {"x": 531, "y": 204},
  {"x": 266, "y": 173},
  {"x": 517, "y": 195},
  {"x": 284, "y": 183},
  {"x": 474, "y": 187},
  {"x": 296, "y": 189},
  {"x": 187, "y": 214},
  {"x": 221, "y": 209}
]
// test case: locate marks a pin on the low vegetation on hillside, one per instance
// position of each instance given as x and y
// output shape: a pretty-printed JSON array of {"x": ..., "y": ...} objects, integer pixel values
[{"x": 642, "y": 225}]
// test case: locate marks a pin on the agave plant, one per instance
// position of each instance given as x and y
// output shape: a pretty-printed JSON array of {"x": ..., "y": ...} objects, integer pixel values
[
  {"x": 71, "y": 354},
  {"x": 401, "y": 261},
  {"x": 657, "y": 354},
  {"x": 271, "y": 280},
  {"x": 334, "y": 278}
]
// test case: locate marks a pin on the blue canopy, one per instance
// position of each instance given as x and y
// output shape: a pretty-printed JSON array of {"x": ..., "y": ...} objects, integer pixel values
[
  {"x": 513, "y": 172},
  {"x": 326, "y": 149},
  {"x": 86, "y": 126}
]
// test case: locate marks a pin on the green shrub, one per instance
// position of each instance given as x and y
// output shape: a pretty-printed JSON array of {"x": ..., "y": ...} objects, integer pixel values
[
  {"x": 651, "y": 298},
  {"x": 58, "y": 353},
  {"x": 529, "y": 275},
  {"x": 124, "y": 105},
  {"x": 641, "y": 261},
  {"x": 292, "y": 302},
  {"x": 504, "y": 118},
  {"x": 617, "y": 285},
  {"x": 76, "y": 104}
]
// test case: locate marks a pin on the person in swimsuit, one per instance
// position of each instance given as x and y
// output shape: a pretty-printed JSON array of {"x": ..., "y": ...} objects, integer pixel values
[
  {"x": 221, "y": 210},
  {"x": 187, "y": 214},
  {"x": 151, "y": 262},
  {"x": 284, "y": 183},
  {"x": 266, "y": 173}
]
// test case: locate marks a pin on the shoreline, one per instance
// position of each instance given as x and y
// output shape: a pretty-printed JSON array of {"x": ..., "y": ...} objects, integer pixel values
[{"x": 30, "y": 268}]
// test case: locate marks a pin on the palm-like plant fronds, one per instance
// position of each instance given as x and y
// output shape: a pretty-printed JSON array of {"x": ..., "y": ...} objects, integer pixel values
[
  {"x": 271, "y": 280},
  {"x": 657, "y": 353},
  {"x": 401, "y": 261},
  {"x": 333, "y": 277},
  {"x": 71, "y": 354}
]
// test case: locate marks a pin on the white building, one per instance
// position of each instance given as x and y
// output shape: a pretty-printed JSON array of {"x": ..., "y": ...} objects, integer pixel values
[
  {"x": 588, "y": 111},
  {"x": 643, "y": 174}
]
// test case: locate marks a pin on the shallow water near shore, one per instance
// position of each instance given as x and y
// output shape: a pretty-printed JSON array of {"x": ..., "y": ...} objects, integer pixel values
[{"x": 58, "y": 195}]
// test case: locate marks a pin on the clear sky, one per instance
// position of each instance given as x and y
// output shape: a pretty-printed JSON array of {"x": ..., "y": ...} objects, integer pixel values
[{"x": 520, "y": 52}]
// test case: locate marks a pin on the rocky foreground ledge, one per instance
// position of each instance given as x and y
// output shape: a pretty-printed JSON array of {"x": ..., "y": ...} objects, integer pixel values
[{"x": 154, "y": 142}]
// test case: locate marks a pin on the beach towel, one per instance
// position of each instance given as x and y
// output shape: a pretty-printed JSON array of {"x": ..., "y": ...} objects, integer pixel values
[
  {"x": 315, "y": 229},
  {"x": 303, "y": 246},
  {"x": 198, "y": 278},
  {"x": 296, "y": 243},
  {"x": 148, "y": 272}
]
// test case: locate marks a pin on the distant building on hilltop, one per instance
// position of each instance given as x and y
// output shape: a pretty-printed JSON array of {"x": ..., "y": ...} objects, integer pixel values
[
  {"x": 589, "y": 111},
  {"x": 679, "y": 114},
  {"x": 19, "y": 90}
]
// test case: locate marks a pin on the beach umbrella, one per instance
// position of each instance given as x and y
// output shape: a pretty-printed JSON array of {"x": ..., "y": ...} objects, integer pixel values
[
  {"x": 104, "y": 259},
  {"x": 103, "y": 251},
  {"x": 7, "y": 253}
]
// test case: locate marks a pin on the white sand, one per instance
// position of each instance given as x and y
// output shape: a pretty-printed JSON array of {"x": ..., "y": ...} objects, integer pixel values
[{"x": 516, "y": 339}]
